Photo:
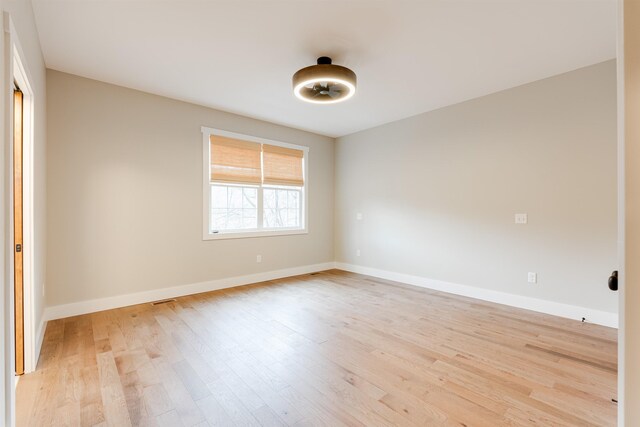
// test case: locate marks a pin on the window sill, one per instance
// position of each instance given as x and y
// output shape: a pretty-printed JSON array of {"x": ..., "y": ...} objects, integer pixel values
[{"x": 251, "y": 234}]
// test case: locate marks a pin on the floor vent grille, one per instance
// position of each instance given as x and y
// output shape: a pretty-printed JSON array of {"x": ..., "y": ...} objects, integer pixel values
[{"x": 164, "y": 301}]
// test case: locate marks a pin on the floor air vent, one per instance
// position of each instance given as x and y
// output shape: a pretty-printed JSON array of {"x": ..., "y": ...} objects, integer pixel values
[{"x": 164, "y": 301}]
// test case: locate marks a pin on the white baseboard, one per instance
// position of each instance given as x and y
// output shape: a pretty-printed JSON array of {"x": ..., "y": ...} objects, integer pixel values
[
  {"x": 542, "y": 306},
  {"x": 92, "y": 306},
  {"x": 528, "y": 303},
  {"x": 40, "y": 338},
  {"x": 31, "y": 365}
]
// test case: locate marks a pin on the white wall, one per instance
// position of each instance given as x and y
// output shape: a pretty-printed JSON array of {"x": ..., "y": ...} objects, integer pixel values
[
  {"x": 438, "y": 191},
  {"x": 22, "y": 17},
  {"x": 125, "y": 195}
]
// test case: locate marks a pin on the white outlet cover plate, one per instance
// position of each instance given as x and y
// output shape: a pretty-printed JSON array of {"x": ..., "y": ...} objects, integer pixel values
[{"x": 521, "y": 218}]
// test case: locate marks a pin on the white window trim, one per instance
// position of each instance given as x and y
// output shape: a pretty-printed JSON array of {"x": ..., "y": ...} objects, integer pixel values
[{"x": 206, "y": 192}]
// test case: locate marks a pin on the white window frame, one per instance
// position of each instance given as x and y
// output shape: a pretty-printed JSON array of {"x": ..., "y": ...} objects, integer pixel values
[{"x": 206, "y": 190}]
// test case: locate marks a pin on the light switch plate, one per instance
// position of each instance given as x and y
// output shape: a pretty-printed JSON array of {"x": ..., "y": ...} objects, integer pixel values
[
  {"x": 532, "y": 277},
  {"x": 521, "y": 218}
]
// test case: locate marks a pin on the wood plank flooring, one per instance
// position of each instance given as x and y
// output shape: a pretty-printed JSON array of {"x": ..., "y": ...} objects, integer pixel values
[{"x": 327, "y": 349}]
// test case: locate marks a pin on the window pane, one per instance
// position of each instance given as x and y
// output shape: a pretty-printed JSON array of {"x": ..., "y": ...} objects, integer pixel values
[
  {"x": 233, "y": 208},
  {"x": 282, "y": 217},
  {"x": 218, "y": 196},
  {"x": 249, "y": 218},
  {"x": 269, "y": 218},
  {"x": 233, "y": 219},
  {"x": 282, "y": 199},
  {"x": 269, "y": 196},
  {"x": 293, "y": 199},
  {"x": 249, "y": 198},
  {"x": 292, "y": 218},
  {"x": 219, "y": 219},
  {"x": 235, "y": 197},
  {"x": 249, "y": 222},
  {"x": 282, "y": 208}
]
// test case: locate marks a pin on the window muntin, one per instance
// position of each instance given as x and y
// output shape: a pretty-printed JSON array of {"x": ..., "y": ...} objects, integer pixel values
[{"x": 246, "y": 198}]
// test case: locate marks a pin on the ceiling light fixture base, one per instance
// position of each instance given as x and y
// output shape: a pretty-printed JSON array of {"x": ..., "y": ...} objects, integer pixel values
[{"x": 324, "y": 83}]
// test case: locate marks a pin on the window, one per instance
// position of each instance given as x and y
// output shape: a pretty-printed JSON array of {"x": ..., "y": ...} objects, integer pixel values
[{"x": 252, "y": 186}]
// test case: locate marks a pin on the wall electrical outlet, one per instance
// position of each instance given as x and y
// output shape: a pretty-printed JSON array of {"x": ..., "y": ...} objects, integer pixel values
[
  {"x": 258, "y": 258},
  {"x": 359, "y": 216},
  {"x": 357, "y": 252},
  {"x": 521, "y": 218},
  {"x": 532, "y": 277}
]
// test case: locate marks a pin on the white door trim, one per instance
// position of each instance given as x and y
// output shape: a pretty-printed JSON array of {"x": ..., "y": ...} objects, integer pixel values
[
  {"x": 22, "y": 79},
  {"x": 6, "y": 250},
  {"x": 621, "y": 211},
  {"x": 15, "y": 70}
]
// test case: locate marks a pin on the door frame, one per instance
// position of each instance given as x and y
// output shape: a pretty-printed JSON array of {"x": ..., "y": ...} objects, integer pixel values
[
  {"x": 621, "y": 206},
  {"x": 14, "y": 69},
  {"x": 21, "y": 78}
]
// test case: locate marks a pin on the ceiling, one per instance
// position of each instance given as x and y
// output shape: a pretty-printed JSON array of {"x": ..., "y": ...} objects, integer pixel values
[{"x": 239, "y": 56}]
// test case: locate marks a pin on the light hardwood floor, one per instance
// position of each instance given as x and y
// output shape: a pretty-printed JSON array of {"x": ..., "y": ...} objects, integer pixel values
[{"x": 326, "y": 349}]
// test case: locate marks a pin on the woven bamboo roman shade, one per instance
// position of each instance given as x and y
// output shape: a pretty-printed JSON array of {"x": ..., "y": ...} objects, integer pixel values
[
  {"x": 282, "y": 166},
  {"x": 233, "y": 160}
]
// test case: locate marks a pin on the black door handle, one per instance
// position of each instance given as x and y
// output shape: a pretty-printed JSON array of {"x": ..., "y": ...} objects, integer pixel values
[{"x": 613, "y": 281}]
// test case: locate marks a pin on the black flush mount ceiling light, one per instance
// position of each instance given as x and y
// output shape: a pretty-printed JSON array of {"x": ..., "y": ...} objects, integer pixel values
[{"x": 324, "y": 83}]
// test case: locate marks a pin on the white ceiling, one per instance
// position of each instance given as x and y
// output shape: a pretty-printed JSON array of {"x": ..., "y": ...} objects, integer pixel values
[{"x": 239, "y": 56}]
